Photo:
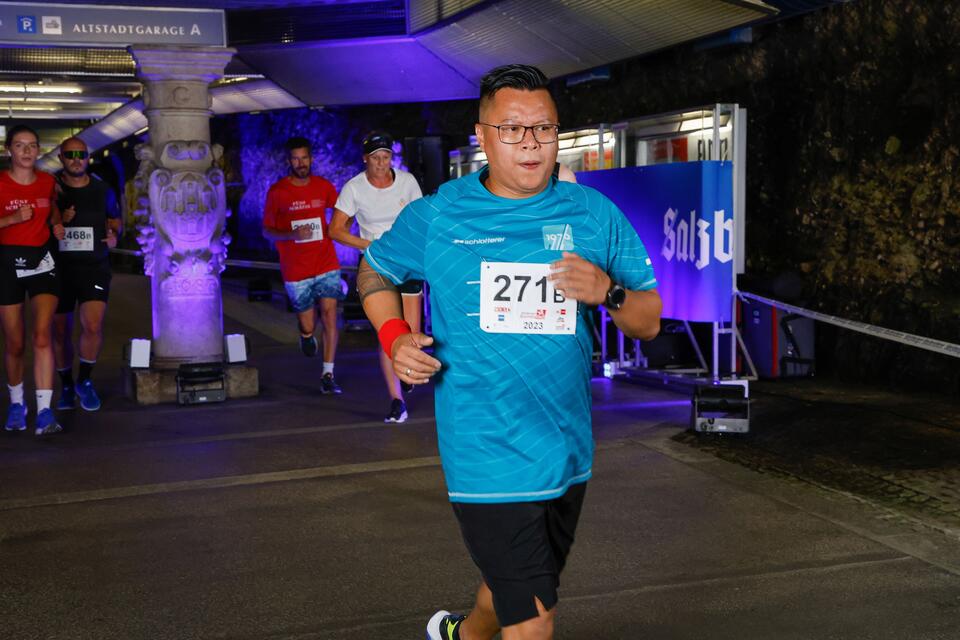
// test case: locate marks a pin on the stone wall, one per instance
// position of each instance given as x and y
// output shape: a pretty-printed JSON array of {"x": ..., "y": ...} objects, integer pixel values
[{"x": 854, "y": 115}]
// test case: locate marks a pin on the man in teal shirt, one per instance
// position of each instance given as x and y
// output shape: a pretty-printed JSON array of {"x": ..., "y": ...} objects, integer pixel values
[{"x": 514, "y": 260}]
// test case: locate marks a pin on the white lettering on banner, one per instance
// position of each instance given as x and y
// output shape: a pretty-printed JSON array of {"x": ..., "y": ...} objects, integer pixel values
[
  {"x": 691, "y": 241},
  {"x": 195, "y": 30},
  {"x": 138, "y": 29},
  {"x": 518, "y": 297},
  {"x": 316, "y": 228}
]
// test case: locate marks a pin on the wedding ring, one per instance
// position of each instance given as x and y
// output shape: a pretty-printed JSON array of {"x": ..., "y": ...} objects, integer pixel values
[{"x": 408, "y": 371}]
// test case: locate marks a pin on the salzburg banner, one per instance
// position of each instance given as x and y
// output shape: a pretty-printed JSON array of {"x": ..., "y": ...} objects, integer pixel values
[{"x": 683, "y": 212}]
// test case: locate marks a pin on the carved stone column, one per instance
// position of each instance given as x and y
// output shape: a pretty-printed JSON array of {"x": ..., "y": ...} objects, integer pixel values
[{"x": 183, "y": 211}]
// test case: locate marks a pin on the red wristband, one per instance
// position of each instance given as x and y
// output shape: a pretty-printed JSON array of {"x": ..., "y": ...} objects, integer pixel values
[{"x": 390, "y": 331}]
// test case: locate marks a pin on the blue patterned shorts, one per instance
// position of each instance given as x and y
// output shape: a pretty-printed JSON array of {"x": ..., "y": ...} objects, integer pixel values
[{"x": 304, "y": 294}]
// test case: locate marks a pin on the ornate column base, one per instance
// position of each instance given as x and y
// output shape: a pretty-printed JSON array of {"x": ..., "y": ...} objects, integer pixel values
[{"x": 158, "y": 386}]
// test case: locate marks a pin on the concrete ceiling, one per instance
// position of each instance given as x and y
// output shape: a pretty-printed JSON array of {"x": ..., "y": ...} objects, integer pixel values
[
  {"x": 447, "y": 60},
  {"x": 312, "y": 50},
  {"x": 129, "y": 119},
  {"x": 432, "y": 50}
]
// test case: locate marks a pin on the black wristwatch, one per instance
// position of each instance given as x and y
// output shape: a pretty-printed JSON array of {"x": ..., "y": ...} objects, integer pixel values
[{"x": 616, "y": 296}]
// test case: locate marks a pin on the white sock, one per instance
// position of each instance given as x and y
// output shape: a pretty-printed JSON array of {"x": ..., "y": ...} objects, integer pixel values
[
  {"x": 327, "y": 368},
  {"x": 16, "y": 393},
  {"x": 44, "y": 396}
]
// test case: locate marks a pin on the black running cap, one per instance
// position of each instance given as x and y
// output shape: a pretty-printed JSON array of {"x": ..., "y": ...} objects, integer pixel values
[{"x": 376, "y": 141}]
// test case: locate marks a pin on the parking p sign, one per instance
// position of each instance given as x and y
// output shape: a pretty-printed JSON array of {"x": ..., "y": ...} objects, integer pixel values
[{"x": 26, "y": 24}]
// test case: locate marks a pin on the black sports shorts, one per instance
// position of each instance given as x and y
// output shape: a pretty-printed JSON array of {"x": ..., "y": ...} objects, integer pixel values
[
  {"x": 411, "y": 287},
  {"x": 81, "y": 283},
  {"x": 521, "y": 548},
  {"x": 13, "y": 290}
]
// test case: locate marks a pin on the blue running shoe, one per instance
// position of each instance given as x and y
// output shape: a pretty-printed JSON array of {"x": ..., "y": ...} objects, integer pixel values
[
  {"x": 309, "y": 346},
  {"x": 47, "y": 424},
  {"x": 88, "y": 396},
  {"x": 444, "y": 626},
  {"x": 329, "y": 385},
  {"x": 398, "y": 412},
  {"x": 16, "y": 417},
  {"x": 68, "y": 399}
]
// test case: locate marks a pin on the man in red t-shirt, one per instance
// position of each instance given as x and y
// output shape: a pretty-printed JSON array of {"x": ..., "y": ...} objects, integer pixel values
[{"x": 295, "y": 218}]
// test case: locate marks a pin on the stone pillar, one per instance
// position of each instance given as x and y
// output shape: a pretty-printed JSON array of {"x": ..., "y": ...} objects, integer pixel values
[{"x": 182, "y": 214}]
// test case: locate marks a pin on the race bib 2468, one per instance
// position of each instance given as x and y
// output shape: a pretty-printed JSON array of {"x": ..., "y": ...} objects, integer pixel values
[{"x": 77, "y": 239}]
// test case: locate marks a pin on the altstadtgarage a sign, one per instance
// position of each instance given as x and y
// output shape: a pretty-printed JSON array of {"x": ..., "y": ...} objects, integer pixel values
[{"x": 109, "y": 26}]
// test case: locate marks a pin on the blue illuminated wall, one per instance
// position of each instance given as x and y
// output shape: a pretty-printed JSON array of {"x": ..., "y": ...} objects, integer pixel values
[{"x": 337, "y": 156}]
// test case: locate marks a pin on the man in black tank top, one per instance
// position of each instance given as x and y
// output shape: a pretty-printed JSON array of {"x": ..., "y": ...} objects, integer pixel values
[{"x": 92, "y": 220}]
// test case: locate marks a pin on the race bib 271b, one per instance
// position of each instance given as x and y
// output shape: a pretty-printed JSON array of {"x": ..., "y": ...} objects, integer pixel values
[{"x": 517, "y": 297}]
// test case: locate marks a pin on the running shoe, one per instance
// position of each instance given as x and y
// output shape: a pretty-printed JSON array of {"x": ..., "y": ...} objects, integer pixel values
[
  {"x": 16, "y": 417},
  {"x": 398, "y": 412},
  {"x": 443, "y": 626},
  {"x": 68, "y": 399},
  {"x": 329, "y": 385},
  {"x": 47, "y": 424},
  {"x": 88, "y": 396},
  {"x": 308, "y": 346}
]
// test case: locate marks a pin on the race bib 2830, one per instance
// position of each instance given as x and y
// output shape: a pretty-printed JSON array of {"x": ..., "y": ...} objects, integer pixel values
[{"x": 316, "y": 228}]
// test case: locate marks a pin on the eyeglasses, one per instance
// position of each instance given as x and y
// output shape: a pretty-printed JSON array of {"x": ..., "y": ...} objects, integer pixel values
[
  {"x": 515, "y": 133},
  {"x": 74, "y": 155}
]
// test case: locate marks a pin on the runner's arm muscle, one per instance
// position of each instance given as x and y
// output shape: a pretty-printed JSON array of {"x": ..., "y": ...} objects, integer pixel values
[{"x": 340, "y": 231}]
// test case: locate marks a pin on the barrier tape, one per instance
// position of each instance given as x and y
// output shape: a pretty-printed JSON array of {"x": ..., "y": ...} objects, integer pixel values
[{"x": 937, "y": 346}]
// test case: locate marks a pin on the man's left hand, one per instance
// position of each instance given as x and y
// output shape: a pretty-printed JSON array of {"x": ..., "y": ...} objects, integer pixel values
[
  {"x": 579, "y": 279},
  {"x": 58, "y": 231}
]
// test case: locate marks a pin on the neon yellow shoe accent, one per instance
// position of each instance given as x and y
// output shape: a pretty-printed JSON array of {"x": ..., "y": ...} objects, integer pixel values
[{"x": 451, "y": 628}]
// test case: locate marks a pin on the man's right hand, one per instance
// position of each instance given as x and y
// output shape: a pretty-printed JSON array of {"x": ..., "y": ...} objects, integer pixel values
[
  {"x": 68, "y": 214},
  {"x": 411, "y": 364},
  {"x": 302, "y": 232}
]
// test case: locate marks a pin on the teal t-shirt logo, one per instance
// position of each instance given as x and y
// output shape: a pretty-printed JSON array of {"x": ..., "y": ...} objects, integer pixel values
[{"x": 558, "y": 237}]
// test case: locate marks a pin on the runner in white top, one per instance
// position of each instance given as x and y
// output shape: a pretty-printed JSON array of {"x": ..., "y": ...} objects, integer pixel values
[{"x": 374, "y": 199}]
